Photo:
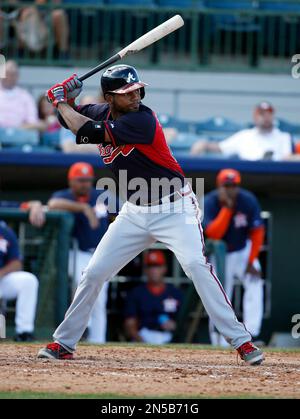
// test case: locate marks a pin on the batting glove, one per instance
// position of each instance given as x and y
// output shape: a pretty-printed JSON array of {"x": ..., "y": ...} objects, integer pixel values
[
  {"x": 73, "y": 86},
  {"x": 57, "y": 94}
]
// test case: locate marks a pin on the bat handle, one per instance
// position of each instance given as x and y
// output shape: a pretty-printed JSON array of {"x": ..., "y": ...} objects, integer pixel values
[{"x": 99, "y": 67}]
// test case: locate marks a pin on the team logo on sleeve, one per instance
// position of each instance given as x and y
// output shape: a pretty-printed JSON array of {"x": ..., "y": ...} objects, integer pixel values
[{"x": 109, "y": 153}]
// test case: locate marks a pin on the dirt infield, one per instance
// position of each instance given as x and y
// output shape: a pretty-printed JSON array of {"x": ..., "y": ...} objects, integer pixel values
[{"x": 149, "y": 371}]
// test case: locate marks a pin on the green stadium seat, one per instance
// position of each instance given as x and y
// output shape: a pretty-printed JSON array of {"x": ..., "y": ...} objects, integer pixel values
[
  {"x": 284, "y": 6},
  {"x": 218, "y": 124},
  {"x": 135, "y": 3},
  {"x": 183, "y": 4}
]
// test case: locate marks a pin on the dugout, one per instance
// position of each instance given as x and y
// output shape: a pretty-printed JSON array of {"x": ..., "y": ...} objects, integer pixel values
[{"x": 26, "y": 176}]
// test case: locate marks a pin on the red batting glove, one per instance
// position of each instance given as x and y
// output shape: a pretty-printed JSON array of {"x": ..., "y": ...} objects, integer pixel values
[
  {"x": 57, "y": 94},
  {"x": 74, "y": 88}
]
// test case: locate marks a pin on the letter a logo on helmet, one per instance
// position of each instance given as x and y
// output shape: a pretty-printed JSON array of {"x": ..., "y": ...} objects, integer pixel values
[
  {"x": 122, "y": 79},
  {"x": 130, "y": 78}
]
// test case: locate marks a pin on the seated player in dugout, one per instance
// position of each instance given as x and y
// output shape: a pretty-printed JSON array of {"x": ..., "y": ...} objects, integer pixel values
[
  {"x": 232, "y": 214},
  {"x": 151, "y": 308},
  {"x": 16, "y": 284},
  {"x": 90, "y": 224},
  {"x": 130, "y": 138}
]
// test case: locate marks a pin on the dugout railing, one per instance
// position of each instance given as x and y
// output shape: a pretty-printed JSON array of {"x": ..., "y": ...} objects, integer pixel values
[
  {"x": 45, "y": 253},
  {"x": 259, "y": 35}
]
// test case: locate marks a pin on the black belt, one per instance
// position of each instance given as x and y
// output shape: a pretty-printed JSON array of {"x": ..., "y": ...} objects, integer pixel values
[
  {"x": 170, "y": 198},
  {"x": 175, "y": 196}
]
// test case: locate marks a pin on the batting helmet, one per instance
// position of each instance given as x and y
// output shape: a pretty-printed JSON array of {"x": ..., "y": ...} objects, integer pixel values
[{"x": 121, "y": 79}]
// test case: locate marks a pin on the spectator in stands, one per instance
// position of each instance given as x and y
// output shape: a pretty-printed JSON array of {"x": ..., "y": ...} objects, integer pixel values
[
  {"x": 233, "y": 215},
  {"x": 47, "y": 115},
  {"x": 263, "y": 142},
  {"x": 32, "y": 27},
  {"x": 35, "y": 209},
  {"x": 16, "y": 284},
  {"x": 67, "y": 138},
  {"x": 49, "y": 125},
  {"x": 151, "y": 308},
  {"x": 91, "y": 222},
  {"x": 18, "y": 112}
]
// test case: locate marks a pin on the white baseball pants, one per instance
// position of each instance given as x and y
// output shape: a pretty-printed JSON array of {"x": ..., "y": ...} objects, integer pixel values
[
  {"x": 98, "y": 321},
  {"x": 155, "y": 337},
  {"x": 177, "y": 225},
  {"x": 23, "y": 287}
]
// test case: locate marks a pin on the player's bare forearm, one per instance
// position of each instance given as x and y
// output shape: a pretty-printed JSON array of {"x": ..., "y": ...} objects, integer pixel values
[
  {"x": 73, "y": 119},
  {"x": 13, "y": 266},
  {"x": 66, "y": 205}
]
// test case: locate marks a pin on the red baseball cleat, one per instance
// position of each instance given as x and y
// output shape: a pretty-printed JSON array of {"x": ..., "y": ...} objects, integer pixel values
[
  {"x": 55, "y": 351},
  {"x": 250, "y": 354}
]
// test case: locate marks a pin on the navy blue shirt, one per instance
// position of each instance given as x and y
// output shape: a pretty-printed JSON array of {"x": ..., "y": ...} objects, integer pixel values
[
  {"x": 150, "y": 309},
  {"x": 9, "y": 204},
  {"x": 87, "y": 237},
  {"x": 138, "y": 145},
  {"x": 246, "y": 216},
  {"x": 9, "y": 248}
]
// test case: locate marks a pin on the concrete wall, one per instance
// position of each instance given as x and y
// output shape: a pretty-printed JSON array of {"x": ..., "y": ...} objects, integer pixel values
[{"x": 203, "y": 94}]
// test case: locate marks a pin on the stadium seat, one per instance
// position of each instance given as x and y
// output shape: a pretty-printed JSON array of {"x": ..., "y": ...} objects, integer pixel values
[
  {"x": 186, "y": 4},
  {"x": 183, "y": 142},
  {"x": 235, "y": 23},
  {"x": 18, "y": 137},
  {"x": 284, "y": 6},
  {"x": 218, "y": 125},
  {"x": 93, "y": 2},
  {"x": 231, "y": 4},
  {"x": 51, "y": 139},
  {"x": 238, "y": 23},
  {"x": 284, "y": 21},
  {"x": 137, "y": 3},
  {"x": 168, "y": 121},
  {"x": 287, "y": 126}
]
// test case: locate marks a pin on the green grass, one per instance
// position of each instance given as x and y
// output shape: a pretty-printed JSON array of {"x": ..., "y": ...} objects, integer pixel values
[
  {"x": 193, "y": 346},
  {"x": 108, "y": 396}
]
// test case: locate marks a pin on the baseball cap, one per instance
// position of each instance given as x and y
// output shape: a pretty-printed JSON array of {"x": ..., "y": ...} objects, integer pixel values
[
  {"x": 228, "y": 177},
  {"x": 264, "y": 106},
  {"x": 154, "y": 258},
  {"x": 81, "y": 170}
]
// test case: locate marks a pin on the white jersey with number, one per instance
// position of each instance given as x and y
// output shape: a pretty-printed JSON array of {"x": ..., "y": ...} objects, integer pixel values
[{"x": 252, "y": 144}]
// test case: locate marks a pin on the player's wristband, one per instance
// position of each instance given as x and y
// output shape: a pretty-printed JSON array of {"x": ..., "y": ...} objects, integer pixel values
[{"x": 91, "y": 132}]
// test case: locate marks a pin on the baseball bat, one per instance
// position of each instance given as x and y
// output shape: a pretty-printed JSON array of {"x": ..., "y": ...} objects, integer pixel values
[{"x": 144, "y": 41}]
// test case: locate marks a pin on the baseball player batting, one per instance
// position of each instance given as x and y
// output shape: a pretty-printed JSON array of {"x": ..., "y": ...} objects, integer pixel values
[{"x": 130, "y": 138}]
